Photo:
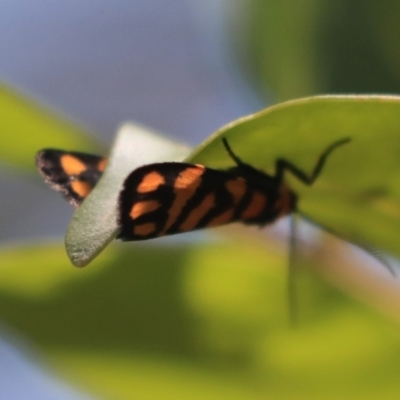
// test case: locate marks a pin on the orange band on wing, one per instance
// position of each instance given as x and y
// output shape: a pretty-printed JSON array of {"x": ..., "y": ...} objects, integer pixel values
[
  {"x": 185, "y": 187},
  {"x": 150, "y": 182},
  {"x": 144, "y": 229},
  {"x": 82, "y": 189},
  {"x": 237, "y": 188},
  {"x": 257, "y": 205},
  {"x": 71, "y": 165},
  {"x": 143, "y": 207},
  {"x": 198, "y": 213},
  {"x": 221, "y": 219},
  {"x": 102, "y": 164}
]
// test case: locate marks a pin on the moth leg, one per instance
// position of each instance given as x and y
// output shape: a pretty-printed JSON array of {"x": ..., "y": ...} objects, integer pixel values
[{"x": 283, "y": 165}]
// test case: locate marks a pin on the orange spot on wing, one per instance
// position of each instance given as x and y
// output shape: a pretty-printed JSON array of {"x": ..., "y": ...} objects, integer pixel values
[
  {"x": 151, "y": 182},
  {"x": 237, "y": 188},
  {"x": 71, "y": 165},
  {"x": 221, "y": 219},
  {"x": 189, "y": 176},
  {"x": 257, "y": 205},
  {"x": 82, "y": 189},
  {"x": 197, "y": 213},
  {"x": 102, "y": 164},
  {"x": 144, "y": 229},
  {"x": 143, "y": 207},
  {"x": 185, "y": 187}
]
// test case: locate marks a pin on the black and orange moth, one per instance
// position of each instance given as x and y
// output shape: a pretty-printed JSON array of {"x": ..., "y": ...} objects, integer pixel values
[{"x": 172, "y": 197}]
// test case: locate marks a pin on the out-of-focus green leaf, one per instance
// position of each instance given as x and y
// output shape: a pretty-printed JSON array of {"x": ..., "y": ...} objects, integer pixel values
[
  {"x": 26, "y": 128},
  {"x": 194, "y": 322},
  {"x": 294, "y": 49},
  {"x": 358, "y": 192},
  {"x": 94, "y": 224}
]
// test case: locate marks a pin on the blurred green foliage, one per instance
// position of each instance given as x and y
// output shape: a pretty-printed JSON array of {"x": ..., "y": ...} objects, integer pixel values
[
  {"x": 293, "y": 49},
  {"x": 195, "y": 322},
  {"x": 25, "y": 125}
]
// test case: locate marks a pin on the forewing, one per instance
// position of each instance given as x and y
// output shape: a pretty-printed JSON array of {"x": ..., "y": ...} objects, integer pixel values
[
  {"x": 168, "y": 198},
  {"x": 73, "y": 174}
]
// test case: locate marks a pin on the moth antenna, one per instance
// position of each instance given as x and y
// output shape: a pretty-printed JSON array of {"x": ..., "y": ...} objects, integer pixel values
[{"x": 230, "y": 152}]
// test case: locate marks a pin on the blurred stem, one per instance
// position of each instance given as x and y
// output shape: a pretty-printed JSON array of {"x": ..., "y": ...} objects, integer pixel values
[{"x": 357, "y": 274}]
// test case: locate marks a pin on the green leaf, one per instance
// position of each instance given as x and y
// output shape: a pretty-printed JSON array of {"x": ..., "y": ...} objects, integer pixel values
[
  {"x": 27, "y": 128},
  {"x": 358, "y": 193},
  {"x": 94, "y": 224}
]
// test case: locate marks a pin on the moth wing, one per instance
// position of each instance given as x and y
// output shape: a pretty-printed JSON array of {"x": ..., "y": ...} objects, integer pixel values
[
  {"x": 74, "y": 174},
  {"x": 166, "y": 198}
]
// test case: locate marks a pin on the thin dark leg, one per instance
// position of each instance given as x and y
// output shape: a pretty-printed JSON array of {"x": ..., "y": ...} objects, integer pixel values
[
  {"x": 283, "y": 165},
  {"x": 292, "y": 273}
]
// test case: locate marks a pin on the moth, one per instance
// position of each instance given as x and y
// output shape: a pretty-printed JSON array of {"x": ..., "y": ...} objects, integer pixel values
[{"x": 175, "y": 197}]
